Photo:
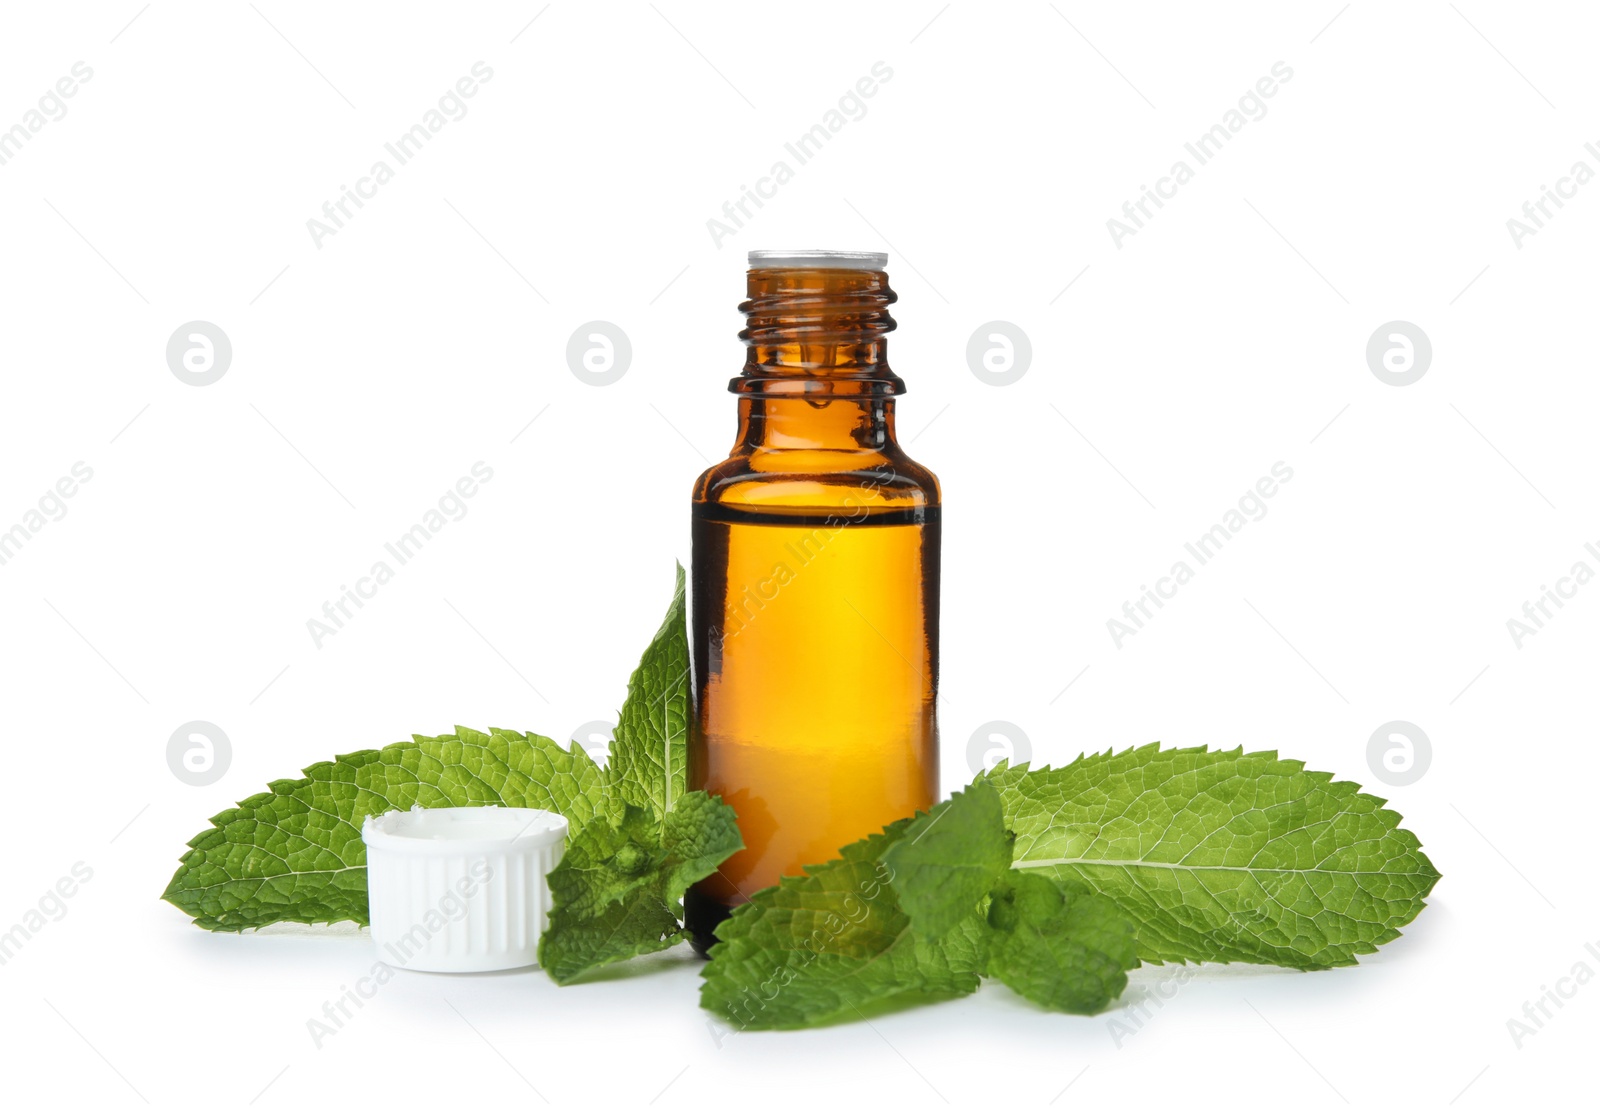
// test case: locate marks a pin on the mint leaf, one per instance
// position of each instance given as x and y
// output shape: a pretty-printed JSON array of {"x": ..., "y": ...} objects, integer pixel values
[
  {"x": 1222, "y": 856},
  {"x": 605, "y": 905},
  {"x": 295, "y": 853},
  {"x": 646, "y": 765},
  {"x": 896, "y": 918},
  {"x": 609, "y": 859},
  {"x": 615, "y": 893},
  {"x": 1061, "y": 946},
  {"x": 698, "y": 835},
  {"x": 834, "y": 944},
  {"x": 947, "y": 863}
]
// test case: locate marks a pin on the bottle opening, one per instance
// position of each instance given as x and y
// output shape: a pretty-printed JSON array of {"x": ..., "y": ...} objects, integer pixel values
[
  {"x": 818, "y": 259},
  {"x": 815, "y": 324}
]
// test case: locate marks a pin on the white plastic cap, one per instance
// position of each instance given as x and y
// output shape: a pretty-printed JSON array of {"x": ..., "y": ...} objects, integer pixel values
[
  {"x": 817, "y": 259},
  {"x": 461, "y": 890}
]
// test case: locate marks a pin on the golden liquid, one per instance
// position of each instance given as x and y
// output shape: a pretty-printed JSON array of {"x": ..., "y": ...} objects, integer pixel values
[{"x": 815, "y": 675}]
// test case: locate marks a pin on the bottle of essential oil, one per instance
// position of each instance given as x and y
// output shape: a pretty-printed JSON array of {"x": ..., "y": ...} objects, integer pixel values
[{"x": 815, "y": 597}]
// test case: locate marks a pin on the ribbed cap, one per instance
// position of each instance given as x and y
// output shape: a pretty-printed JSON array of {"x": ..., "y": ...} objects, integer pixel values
[{"x": 461, "y": 890}]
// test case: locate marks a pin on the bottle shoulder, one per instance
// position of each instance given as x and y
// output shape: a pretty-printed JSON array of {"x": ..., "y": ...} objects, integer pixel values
[{"x": 885, "y": 480}]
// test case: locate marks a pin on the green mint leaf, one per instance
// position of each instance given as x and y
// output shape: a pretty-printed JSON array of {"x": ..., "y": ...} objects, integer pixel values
[
  {"x": 954, "y": 855},
  {"x": 834, "y": 945},
  {"x": 608, "y": 860},
  {"x": 605, "y": 904},
  {"x": 576, "y": 943},
  {"x": 615, "y": 893},
  {"x": 699, "y": 834},
  {"x": 646, "y": 764},
  {"x": 294, "y": 854},
  {"x": 1222, "y": 856},
  {"x": 1061, "y": 946}
]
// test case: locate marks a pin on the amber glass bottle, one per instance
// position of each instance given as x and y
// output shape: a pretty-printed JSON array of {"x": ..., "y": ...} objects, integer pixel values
[{"x": 815, "y": 597}]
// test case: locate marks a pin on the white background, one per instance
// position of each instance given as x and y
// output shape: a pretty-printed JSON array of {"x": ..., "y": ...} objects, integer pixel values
[{"x": 370, "y": 373}]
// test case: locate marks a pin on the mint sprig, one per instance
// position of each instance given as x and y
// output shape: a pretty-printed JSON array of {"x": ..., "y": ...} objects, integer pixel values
[{"x": 1058, "y": 881}]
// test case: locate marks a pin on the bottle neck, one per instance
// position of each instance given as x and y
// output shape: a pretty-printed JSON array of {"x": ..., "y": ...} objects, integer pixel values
[
  {"x": 819, "y": 334},
  {"x": 838, "y": 423},
  {"x": 826, "y": 359}
]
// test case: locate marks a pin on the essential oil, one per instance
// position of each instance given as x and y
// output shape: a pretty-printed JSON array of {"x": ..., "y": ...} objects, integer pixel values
[{"x": 815, "y": 591}]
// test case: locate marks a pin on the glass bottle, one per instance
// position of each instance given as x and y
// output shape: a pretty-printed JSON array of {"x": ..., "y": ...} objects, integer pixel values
[{"x": 815, "y": 585}]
